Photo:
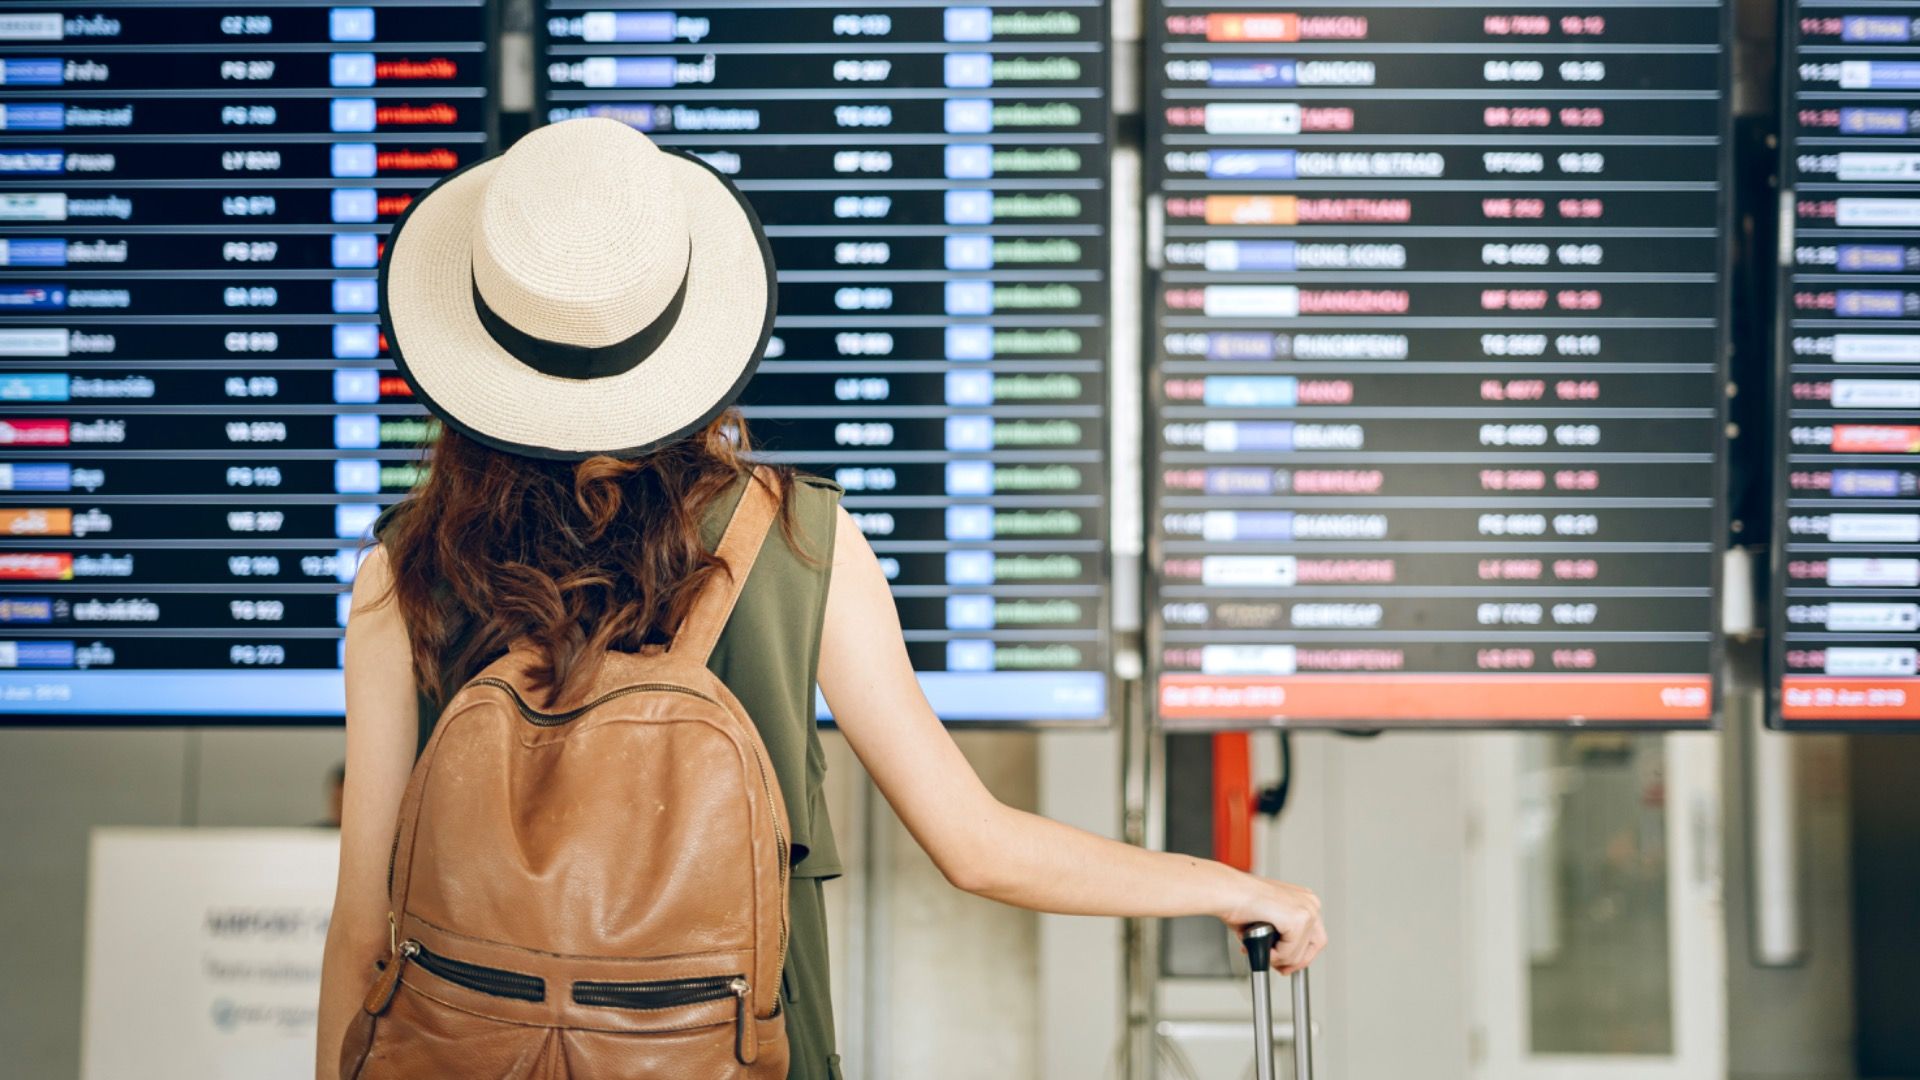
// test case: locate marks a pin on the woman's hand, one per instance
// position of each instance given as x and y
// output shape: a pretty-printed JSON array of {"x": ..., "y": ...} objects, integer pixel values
[{"x": 1289, "y": 909}]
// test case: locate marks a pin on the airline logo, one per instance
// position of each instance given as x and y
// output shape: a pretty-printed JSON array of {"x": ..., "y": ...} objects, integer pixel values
[
  {"x": 1248, "y": 571},
  {"x": 33, "y": 206},
  {"x": 1843, "y": 660},
  {"x": 1856, "y": 213},
  {"x": 1876, "y": 348},
  {"x": 1858, "y": 573},
  {"x": 1253, "y": 210},
  {"x": 1872, "y": 120},
  {"x": 32, "y": 252},
  {"x": 1252, "y": 301},
  {"x": 36, "y": 387},
  {"x": 26, "y": 609},
  {"x": 36, "y": 654},
  {"x": 34, "y": 71},
  {"x": 1253, "y": 27},
  {"x": 1247, "y": 660},
  {"x": 1252, "y": 73},
  {"x": 37, "y": 162},
  {"x": 33, "y": 297},
  {"x": 1881, "y": 167},
  {"x": 1252, "y": 164},
  {"x": 1875, "y": 28},
  {"x": 1869, "y": 483},
  {"x": 36, "y": 566},
  {"x": 35, "y": 476},
  {"x": 35, "y": 341},
  {"x": 1874, "y": 528},
  {"x": 33, "y": 116},
  {"x": 1873, "y": 258},
  {"x": 32, "y": 26},
  {"x": 33, "y": 433},
  {"x": 37, "y": 25},
  {"x": 1876, "y": 394},
  {"x": 1876, "y": 439},
  {"x": 1252, "y": 118},
  {"x": 1873, "y": 618},
  {"x": 36, "y": 521}
]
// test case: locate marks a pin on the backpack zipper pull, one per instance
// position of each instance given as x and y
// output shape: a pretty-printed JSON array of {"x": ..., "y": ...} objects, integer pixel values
[
  {"x": 746, "y": 1036},
  {"x": 381, "y": 995}
]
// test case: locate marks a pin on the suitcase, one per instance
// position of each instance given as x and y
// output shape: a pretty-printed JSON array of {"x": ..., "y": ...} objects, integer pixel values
[{"x": 1259, "y": 940}]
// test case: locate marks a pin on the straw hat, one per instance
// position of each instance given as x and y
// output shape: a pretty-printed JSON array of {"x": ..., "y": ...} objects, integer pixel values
[{"x": 586, "y": 292}]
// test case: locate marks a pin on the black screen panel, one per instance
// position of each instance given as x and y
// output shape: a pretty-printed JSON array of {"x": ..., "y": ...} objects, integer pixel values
[
  {"x": 1846, "y": 537},
  {"x": 198, "y": 421},
  {"x": 1436, "y": 340},
  {"x": 934, "y": 181}
]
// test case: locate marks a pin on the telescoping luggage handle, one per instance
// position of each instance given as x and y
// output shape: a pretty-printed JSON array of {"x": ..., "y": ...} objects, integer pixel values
[{"x": 1259, "y": 940}]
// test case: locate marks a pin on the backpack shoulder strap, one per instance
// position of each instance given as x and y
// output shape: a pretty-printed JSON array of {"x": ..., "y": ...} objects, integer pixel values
[{"x": 739, "y": 547}]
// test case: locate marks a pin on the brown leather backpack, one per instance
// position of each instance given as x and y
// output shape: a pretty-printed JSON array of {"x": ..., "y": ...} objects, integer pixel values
[{"x": 595, "y": 892}]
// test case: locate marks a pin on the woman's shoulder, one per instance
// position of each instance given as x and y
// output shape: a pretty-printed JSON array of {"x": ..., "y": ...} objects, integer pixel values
[
  {"x": 813, "y": 509},
  {"x": 393, "y": 513},
  {"x": 808, "y": 489},
  {"x": 811, "y": 504}
]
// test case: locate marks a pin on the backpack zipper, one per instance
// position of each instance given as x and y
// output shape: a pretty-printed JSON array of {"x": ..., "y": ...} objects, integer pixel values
[
  {"x": 544, "y": 719},
  {"x": 659, "y": 994},
  {"x": 486, "y": 980},
  {"x": 547, "y": 719}
]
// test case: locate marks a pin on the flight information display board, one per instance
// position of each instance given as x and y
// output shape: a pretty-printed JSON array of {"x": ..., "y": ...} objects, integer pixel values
[
  {"x": 198, "y": 422},
  {"x": 1846, "y": 538},
  {"x": 934, "y": 182},
  {"x": 1436, "y": 347}
]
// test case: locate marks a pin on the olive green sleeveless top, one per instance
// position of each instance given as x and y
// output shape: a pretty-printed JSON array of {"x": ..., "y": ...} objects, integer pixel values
[{"x": 768, "y": 656}]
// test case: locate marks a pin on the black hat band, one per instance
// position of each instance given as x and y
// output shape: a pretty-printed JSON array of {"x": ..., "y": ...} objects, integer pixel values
[{"x": 566, "y": 361}]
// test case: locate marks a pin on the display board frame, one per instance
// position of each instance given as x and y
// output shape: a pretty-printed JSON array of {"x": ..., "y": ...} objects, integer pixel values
[
  {"x": 1154, "y": 84},
  {"x": 1111, "y": 686},
  {"x": 1790, "y": 14},
  {"x": 491, "y": 23}
]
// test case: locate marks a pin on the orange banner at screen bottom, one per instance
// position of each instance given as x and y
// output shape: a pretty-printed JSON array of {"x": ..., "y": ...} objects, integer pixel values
[
  {"x": 1461, "y": 699},
  {"x": 1817, "y": 698}
]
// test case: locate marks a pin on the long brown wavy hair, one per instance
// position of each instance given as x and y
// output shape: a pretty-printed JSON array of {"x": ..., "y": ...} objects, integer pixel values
[{"x": 576, "y": 558}]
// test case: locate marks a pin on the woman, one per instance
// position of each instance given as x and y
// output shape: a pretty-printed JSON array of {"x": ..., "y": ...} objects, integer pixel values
[{"x": 580, "y": 313}]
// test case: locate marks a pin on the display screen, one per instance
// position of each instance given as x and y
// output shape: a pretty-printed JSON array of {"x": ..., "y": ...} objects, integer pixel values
[
  {"x": 198, "y": 422},
  {"x": 1436, "y": 336},
  {"x": 1846, "y": 614},
  {"x": 934, "y": 183}
]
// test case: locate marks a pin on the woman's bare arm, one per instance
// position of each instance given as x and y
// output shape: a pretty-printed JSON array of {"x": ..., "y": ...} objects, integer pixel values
[
  {"x": 982, "y": 845},
  {"x": 382, "y": 731}
]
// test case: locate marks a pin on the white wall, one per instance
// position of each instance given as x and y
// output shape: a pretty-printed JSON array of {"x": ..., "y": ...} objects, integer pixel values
[{"x": 56, "y": 785}]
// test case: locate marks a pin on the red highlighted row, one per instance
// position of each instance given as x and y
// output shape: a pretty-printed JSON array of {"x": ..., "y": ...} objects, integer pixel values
[
  {"x": 1824, "y": 698},
  {"x": 1439, "y": 699},
  {"x": 1876, "y": 439},
  {"x": 36, "y": 566}
]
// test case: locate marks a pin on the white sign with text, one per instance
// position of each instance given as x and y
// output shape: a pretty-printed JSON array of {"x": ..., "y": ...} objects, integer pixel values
[{"x": 203, "y": 952}]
